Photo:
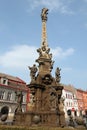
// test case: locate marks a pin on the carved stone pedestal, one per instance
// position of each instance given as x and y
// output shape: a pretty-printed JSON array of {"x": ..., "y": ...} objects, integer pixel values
[{"x": 41, "y": 118}]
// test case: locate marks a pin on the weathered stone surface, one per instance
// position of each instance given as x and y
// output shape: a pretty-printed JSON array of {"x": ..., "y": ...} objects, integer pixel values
[
  {"x": 4, "y": 117},
  {"x": 47, "y": 90}
]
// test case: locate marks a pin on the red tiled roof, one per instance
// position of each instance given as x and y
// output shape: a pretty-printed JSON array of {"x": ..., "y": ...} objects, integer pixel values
[{"x": 12, "y": 78}]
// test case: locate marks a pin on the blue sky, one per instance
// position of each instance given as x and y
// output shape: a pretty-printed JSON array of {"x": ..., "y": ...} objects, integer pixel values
[{"x": 20, "y": 36}]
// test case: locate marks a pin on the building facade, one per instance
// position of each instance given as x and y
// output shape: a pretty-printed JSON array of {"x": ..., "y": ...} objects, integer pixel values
[
  {"x": 75, "y": 101},
  {"x": 70, "y": 101},
  {"x": 85, "y": 102},
  {"x": 9, "y": 86},
  {"x": 82, "y": 101}
]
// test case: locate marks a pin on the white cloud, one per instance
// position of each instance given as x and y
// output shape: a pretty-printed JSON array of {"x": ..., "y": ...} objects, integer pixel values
[
  {"x": 53, "y": 5},
  {"x": 21, "y": 56},
  {"x": 60, "y": 53},
  {"x": 17, "y": 60}
]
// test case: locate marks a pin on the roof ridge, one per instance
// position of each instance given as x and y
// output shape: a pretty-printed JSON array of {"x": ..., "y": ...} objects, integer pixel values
[{"x": 8, "y": 76}]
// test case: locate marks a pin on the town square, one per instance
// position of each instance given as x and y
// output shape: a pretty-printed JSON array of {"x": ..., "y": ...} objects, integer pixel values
[{"x": 50, "y": 95}]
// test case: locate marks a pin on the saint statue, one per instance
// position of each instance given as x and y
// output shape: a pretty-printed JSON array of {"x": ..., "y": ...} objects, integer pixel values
[
  {"x": 33, "y": 71},
  {"x": 44, "y": 14},
  {"x": 19, "y": 101},
  {"x": 57, "y": 74}
]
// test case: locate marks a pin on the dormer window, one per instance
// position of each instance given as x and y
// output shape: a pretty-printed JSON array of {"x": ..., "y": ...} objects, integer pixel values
[{"x": 4, "y": 81}]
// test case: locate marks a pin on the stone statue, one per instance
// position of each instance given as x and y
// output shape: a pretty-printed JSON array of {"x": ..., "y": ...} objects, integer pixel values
[
  {"x": 51, "y": 67},
  {"x": 19, "y": 101},
  {"x": 61, "y": 112},
  {"x": 57, "y": 74},
  {"x": 44, "y": 14},
  {"x": 50, "y": 56},
  {"x": 48, "y": 50},
  {"x": 61, "y": 104},
  {"x": 53, "y": 101},
  {"x": 39, "y": 51},
  {"x": 33, "y": 71}
]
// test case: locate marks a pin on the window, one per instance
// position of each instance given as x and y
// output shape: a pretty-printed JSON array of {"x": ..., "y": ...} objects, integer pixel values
[
  {"x": 67, "y": 104},
  {"x": 9, "y": 96},
  {"x": 71, "y": 96},
  {"x": 2, "y": 94},
  {"x": 71, "y": 104},
  {"x": 15, "y": 97},
  {"x": 4, "y": 81},
  {"x": 66, "y": 95}
]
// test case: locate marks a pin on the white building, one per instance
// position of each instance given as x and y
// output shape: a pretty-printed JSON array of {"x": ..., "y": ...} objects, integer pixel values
[{"x": 70, "y": 102}]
